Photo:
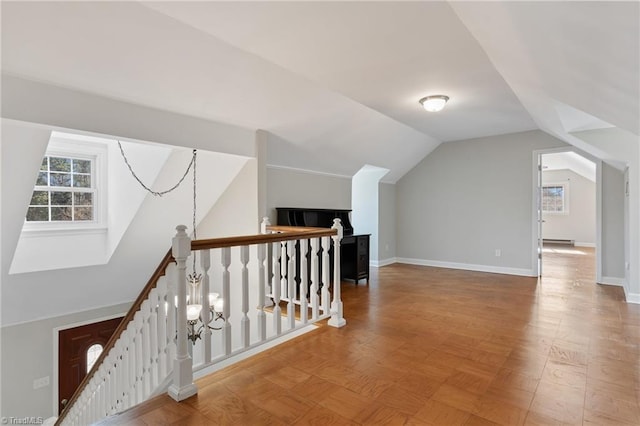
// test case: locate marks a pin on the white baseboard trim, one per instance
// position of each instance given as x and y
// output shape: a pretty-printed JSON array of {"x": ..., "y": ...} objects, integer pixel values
[
  {"x": 468, "y": 267},
  {"x": 633, "y": 297},
  {"x": 383, "y": 262},
  {"x": 612, "y": 281},
  {"x": 581, "y": 244}
]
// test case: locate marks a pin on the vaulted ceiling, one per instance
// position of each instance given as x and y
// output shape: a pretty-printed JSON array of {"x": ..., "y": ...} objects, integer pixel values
[{"x": 337, "y": 83}]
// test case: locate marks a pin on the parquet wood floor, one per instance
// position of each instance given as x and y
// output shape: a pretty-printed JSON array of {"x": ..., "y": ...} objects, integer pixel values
[{"x": 430, "y": 346}]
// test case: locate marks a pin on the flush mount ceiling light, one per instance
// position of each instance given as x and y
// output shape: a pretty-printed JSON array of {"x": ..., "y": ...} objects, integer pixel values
[{"x": 434, "y": 103}]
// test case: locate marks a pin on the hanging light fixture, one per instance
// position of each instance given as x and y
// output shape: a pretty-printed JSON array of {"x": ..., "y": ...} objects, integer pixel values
[
  {"x": 194, "y": 309},
  {"x": 434, "y": 103}
]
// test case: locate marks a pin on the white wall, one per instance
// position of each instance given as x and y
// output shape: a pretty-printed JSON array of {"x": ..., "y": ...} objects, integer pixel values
[
  {"x": 299, "y": 188},
  {"x": 365, "y": 204},
  {"x": 579, "y": 223},
  {"x": 386, "y": 224},
  {"x": 469, "y": 198},
  {"x": 235, "y": 212},
  {"x": 613, "y": 231}
]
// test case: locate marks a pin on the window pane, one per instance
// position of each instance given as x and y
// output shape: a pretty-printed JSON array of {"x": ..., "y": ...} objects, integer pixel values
[
  {"x": 553, "y": 199},
  {"x": 40, "y": 198},
  {"x": 92, "y": 355},
  {"x": 38, "y": 214},
  {"x": 60, "y": 179},
  {"x": 60, "y": 213},
  {"x": 82, "y": 199},
  {"x": 81, "y": 166},
  {"x": 82, "y": 181},
  {"x": 60, "y": 164},
  {"x": 83, "y": 213},
  {"x": 43, "y": 179},
  {"x": 45, "y": 164},
  {"x": 60, "y": 198}
]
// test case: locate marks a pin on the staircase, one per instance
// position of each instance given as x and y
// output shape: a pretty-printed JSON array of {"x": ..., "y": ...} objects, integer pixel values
[{"x": 171, "y": 331}]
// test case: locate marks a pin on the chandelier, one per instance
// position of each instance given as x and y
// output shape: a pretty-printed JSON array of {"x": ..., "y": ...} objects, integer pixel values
[{"x": 195, "y": 315}]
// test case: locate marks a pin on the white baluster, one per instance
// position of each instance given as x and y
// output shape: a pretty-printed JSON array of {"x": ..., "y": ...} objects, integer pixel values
[
  {"x": 313, "y": 297},
  {"x": 120, "y": 376},
  {"x": 244, "y": 322},
  {"x": 326, "y": 274},
  {"x": 171, "y": 275},
  {"x": 205, "y": 263},
  {"x": 126, "y": 369},
  {"x": 145, "y": 333},
  {"x": 91, "y": 403},
  {"x": 269, "y": 264},
  {"x": 182, "y": 386},
  {"x": 153, "y": 339},
  {"x": 226, "y": 297},
  {"x": 162, "y": 328},
  {"x": 337, "y": 312},
  {"x": 291, "y": 282},
  {"x": 139, "y": 356},
  {"x": 115, "y": 378},
  {"x": 275, "y": 290},
  {"x": 95, "y": 403},
  {"x": 110, "y": 391},
  {"x": 262, "y": 271},
  {"x": 133, "y": 384},
  {"x": 284, "y": 290},
  {"x": 304, "y": 281}
]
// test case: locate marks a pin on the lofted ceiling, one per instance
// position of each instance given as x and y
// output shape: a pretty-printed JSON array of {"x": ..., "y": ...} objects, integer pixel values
[{"x": 337, "y": 84}]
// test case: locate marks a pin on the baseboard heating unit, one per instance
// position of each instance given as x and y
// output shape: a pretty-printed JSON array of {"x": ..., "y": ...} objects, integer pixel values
[{"x": 559, "y": 242}]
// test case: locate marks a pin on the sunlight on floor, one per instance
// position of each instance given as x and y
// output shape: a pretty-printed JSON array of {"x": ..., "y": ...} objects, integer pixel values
[{"x": 547, "y": 249}]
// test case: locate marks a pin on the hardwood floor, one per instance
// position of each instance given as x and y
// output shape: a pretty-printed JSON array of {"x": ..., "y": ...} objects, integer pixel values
[{"x": 430, "y": 346}]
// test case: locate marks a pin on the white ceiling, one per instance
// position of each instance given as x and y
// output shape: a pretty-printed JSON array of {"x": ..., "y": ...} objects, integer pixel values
[
  {"x": 337, "y": 83},
  {"x": 570, "y": 161}
]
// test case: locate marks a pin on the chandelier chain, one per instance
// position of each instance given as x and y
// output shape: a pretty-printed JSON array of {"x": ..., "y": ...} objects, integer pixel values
[
  {"x": 161, "y": 193},
  {"x": 193, "y": 161}
]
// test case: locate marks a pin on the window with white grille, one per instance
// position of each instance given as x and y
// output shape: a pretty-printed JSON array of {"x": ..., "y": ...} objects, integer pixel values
[
  {"x": 554, "y": 198},
  {"x": 65, "y": 191}
]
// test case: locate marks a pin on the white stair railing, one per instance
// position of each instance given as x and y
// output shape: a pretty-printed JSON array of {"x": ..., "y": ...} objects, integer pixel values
[
  {"x": 156, "y": 348},
  {"x": 258, "y": 286},
  {"x": 137, "y": 361}
]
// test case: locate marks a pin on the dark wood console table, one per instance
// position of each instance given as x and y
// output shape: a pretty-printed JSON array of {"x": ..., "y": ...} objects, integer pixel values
[{"x": 354, "y": 249}]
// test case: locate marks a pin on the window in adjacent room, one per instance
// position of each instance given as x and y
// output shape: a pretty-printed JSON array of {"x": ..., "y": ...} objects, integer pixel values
[{"x": 554, "y": 198}]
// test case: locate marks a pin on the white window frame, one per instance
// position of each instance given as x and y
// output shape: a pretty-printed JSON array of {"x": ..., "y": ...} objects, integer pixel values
[
  {"x": 97, "y": 153},
  {"x": 565, "y": 198}
]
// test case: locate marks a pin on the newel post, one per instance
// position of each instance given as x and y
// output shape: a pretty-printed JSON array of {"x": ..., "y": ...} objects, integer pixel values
[
  {"x": 182, "y": 386},
  {"x": 337, "y": 319},
  {"x": 263, "y": 225}
]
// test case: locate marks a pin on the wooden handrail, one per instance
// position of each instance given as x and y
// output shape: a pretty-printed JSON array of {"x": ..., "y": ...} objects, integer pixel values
[
  {"x": 144, "y": 294},
  {"x": 286, "y": 233},
  {"x": 282, "y": 233}
]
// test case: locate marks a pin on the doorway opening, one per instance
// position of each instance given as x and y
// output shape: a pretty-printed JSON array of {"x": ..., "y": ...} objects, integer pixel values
[{"x": 567, "y": 211}]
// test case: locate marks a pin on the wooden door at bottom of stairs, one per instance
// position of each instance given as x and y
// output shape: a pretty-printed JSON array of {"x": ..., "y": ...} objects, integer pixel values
[{"x": 73, "y": 346}]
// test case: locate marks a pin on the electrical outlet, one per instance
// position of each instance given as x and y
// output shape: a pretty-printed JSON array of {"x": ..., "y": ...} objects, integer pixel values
[
  {"x": 41, "y": 382},
  {"x": 498, "y": 252}
]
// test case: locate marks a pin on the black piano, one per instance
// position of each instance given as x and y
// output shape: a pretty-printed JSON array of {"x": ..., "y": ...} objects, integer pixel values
[{"x": 354, "y": 253}]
